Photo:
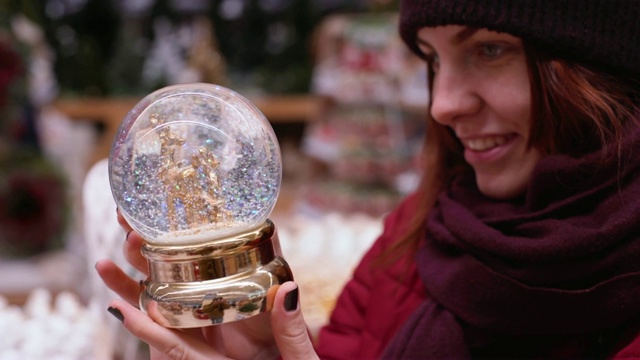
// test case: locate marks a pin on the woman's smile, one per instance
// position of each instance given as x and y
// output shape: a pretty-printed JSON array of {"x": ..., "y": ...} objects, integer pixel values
[
  {"x": 485, "y": 143},
  {"x": 483, "y": 149}
]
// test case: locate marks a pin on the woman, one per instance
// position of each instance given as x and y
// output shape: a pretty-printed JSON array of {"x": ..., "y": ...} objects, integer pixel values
[{"x": 522, "y": 239}]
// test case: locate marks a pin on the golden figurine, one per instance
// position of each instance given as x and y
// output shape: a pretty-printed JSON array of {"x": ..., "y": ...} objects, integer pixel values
[{"x": 182, "y": 182}]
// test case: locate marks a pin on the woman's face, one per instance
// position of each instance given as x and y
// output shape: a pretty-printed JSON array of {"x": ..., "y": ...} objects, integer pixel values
[{"x": 481, "y": 91}]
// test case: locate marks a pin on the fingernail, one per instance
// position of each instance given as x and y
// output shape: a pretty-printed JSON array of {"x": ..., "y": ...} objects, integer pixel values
[
  {"x": 143, "y": 284},
  {"x": 291, "y": 300},
  {"x": 116, "y": 313},
  {"x": 127, "y": 237}
]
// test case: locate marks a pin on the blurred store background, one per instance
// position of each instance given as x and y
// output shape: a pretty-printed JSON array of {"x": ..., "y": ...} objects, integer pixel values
[{"x": 344, "y": 96}]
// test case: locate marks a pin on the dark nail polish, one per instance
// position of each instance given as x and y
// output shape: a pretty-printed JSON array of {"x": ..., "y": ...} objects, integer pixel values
[
  {"x": 291, "y": 300},
  {"x": 116, "y": 313}
]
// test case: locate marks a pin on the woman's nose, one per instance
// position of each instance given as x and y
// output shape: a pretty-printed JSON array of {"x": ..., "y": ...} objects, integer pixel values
[{"x": 453, "y": 96}]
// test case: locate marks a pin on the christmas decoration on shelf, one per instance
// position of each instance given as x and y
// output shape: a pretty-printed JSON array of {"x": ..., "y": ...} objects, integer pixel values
[
  {"x": 34, "y": 206},
  {"x": 369, "y": 130},
  {"x": 51, "y": 326},
  {"x": 119, "y": 48}
]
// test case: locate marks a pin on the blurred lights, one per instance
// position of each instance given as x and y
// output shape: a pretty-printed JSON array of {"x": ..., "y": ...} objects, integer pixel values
[{"x": 231, "y": 9}]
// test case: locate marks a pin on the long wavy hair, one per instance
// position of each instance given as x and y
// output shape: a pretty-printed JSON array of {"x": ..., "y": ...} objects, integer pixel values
[{"x": 576, "y": 110}]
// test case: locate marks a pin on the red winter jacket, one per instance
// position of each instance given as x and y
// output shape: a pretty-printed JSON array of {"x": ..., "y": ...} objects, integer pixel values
[{"x": 377, "y": 301}]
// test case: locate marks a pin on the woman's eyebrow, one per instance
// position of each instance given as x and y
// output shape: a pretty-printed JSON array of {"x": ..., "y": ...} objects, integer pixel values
[
  {"x": 463, "y": 35},
  {"x": 457, "y": 39}
]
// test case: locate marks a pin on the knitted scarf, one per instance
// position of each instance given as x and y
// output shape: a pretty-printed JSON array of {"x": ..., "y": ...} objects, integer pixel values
[{"x": 562, "y": 261}]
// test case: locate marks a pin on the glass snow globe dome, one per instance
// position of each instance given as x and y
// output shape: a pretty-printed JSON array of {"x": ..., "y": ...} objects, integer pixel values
[{"x": 193, "y": 163}]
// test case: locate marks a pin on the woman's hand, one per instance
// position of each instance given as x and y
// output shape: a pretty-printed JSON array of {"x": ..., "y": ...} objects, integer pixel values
[{"x": 281, "y": 331}]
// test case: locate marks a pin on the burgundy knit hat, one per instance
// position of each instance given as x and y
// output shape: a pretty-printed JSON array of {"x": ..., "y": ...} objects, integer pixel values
[{"x": 600, "y": 33}]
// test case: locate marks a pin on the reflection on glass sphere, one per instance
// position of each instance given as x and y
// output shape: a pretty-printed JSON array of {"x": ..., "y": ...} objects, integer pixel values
[{"x": 191, "y": 163}]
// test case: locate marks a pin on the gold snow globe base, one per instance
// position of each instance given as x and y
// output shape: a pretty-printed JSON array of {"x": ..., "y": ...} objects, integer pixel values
[{"x": 216, "y": 282}]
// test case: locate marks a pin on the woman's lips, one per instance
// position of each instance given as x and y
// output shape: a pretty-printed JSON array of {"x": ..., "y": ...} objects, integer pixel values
[
  {"x": 487, "y": 148},
  {"x": 486, "y": 142}
]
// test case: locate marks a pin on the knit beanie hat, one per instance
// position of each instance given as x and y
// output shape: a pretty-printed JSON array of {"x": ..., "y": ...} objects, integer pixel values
[{"x": 602, "y": 33}]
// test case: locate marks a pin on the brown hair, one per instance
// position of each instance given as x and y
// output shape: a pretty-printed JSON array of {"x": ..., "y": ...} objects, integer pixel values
[{"x": 581, "y": 108}]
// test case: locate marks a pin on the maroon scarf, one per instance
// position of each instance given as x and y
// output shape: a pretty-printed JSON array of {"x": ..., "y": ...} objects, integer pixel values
[{"x": 517, "y": 278}]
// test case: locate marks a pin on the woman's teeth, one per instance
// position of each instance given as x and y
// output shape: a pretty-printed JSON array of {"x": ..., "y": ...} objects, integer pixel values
[{"x": 485, "y": 143}]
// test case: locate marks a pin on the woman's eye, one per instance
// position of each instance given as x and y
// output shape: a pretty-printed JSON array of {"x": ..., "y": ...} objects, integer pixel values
[{"x": 491, "y": 51}]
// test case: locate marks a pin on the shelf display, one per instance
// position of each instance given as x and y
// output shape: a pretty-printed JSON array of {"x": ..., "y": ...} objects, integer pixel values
[{"x": 369, "y": 131}]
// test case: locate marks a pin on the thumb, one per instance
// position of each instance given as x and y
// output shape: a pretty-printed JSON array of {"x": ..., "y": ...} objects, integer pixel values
[{"x": 289, "y": 328}]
